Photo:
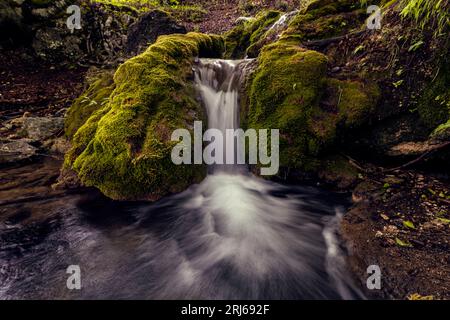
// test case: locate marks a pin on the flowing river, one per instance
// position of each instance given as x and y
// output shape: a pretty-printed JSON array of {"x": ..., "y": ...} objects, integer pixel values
[{"x": 234, "y": 236}]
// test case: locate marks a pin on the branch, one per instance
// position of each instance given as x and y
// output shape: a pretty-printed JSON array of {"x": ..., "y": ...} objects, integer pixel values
[
  {"x": 325, "y": 42},
  {"x": 422, "y": 157}
]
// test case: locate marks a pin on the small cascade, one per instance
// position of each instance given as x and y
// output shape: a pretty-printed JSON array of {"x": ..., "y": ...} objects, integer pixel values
[
  {"x": 278, "y": 27},
  {"x": 218, "y": 82}
]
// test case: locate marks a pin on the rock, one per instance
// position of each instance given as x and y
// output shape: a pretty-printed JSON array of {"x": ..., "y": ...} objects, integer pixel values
[
  {"x": 124, "y": 148},
  {"x": 12, "y": 29},
  {"x": 392, "y": 136},
  {"x": 290, "y": 90},
  {"x": 339, "y": 173},
  {"x": 42, "y": 128},
  {"x": 109, "y": 33},
  {"x": 148, "y": 28},
  {"x": 247, "y": 34},
  {"x": 55, "y": 44},
  {"x": 335, "y": 69},
  {"x": 60, "y": 146},
  {"x": 12, "y": 151}
]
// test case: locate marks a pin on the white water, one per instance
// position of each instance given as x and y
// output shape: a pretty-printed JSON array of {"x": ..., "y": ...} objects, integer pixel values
[{"x": 279, "y": 26}]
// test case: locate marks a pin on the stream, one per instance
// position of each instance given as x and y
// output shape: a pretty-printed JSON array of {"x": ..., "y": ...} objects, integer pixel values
[{"x": 233, "y": 236}]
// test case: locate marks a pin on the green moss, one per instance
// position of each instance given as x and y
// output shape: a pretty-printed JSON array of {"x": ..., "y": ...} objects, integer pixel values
[
  {"x": 243, "y": 36},
  {"x": 442, "y": 133},
  {"x": 289, "y": 91},
  {"x": 96, "y": 96},
  {"x": 325, "y": 19},
  {"x": 434, "y": 105},
  {"x": 124, "y": 148},
  {"x": 285, "y": 88},
  {"x": 356, "y": 100}
]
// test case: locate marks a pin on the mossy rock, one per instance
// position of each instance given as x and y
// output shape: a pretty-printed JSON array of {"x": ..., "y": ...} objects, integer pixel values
[
  {"x": 124, "y": 148},
  {"x": 94, "y": 98},
  {"x": 441, "y": 133},
  {"x": 326, "y": 19},
  {"x": 247, "y": 33},
  {"x": 290, "y": 91}
]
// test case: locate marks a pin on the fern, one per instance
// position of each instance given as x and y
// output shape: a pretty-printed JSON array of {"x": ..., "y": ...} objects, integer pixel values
[{"x": 432, "y": 13}]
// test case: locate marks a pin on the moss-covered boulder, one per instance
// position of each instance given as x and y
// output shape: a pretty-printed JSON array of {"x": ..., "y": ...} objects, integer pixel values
[
  {"x": 124, "y": 148},
  {"x": 290, "y": 91}
]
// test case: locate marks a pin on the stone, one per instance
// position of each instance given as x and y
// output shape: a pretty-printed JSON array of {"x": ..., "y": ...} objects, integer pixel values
[
  {"x": 42, "y": 128},
  {"x": 148, "y": 28},
  {"x": 16, "y": 150}
]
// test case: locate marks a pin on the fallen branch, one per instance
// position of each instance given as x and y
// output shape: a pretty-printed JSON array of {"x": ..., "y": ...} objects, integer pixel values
[
  {"x": 325, "y": 42},
  {"x": 422, "y": 157}
]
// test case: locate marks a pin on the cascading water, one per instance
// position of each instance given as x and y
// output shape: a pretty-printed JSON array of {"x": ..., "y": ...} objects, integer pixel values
[
  {"x": 234, "y": 236},
  {"x": 281, "y": 24}
]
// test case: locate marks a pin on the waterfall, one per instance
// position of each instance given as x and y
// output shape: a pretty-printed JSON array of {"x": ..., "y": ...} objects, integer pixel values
[{"x": 218, "y": 83}]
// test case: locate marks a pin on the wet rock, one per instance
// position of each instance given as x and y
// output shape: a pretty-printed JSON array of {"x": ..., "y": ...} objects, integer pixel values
[
  {"x": 42, "y": 128},
  {"x": 12, "y": 151},
  {"x": 59, "y": 146}
]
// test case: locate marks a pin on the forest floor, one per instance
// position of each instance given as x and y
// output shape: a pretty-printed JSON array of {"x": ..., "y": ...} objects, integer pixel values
[
  {"x": 400, "y": 222},
  {"x": 219, "y": 16},
  {"x": 35, "y": 86}
]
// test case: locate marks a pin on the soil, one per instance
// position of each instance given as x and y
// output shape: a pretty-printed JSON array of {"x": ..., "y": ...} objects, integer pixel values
[
  {"x": 401, "y": 222},
  {"x": 30, "y": 85}
]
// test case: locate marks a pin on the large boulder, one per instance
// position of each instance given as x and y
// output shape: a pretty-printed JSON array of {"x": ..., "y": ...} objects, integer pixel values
[
  {"x": 290, "y": 91},
  {"x": 124, "y": 147},
  {"x": 148, "y": 28}
]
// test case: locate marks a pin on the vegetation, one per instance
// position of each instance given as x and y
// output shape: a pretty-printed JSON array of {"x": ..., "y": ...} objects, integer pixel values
[
  {"x": 247, "y": 33},
  {"x": 430, "y": 13}
]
